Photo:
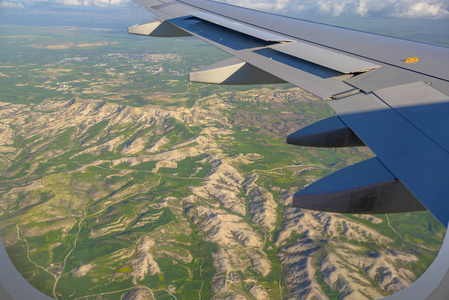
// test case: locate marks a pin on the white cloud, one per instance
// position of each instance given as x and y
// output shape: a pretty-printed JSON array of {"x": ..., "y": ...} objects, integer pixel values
[
  {"x": 396, "y": 8},
  {"x": 9, "y": 4},
  {"x": 424, "y": 9},
  {"x": 23, "y": 3},
  {"x": 91, "y": 2}
]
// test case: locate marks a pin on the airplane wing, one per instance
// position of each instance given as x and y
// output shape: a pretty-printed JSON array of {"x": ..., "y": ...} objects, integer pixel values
[{"x": 389, "y": 94}]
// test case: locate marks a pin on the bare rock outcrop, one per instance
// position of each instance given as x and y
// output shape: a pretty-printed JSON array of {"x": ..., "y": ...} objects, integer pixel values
[
  {"x": 143, "y": 263},
  {"x": 235, "y": 296},
  {"x": 339, "y": 269},
  {"x": 156, "y": 146},
  {"x": 220, "y": 260},
  {"x": 134, "y": 146},
  {"x": 313, "y": 223},
  {"x": 138, "y": 294},
  {"x": 259, "y": 292},
  {"x": 341, "y": 264},
  {"x": 6, "y": 135},
  {"x": 110, "y": 145},
  {"x": 201, "y": 142},
  {"x": 219, "y": 284},
  {"x": 262, "y": 206},
  {"x": 223, "y": 228},
  {"x": 384, "y": 271},
  {"x": 223, "y": 184},
  {"x": 336, "y": 276},
  {"x": 259, "y": 262},
  {"x": 285, "y": 198},
  {"x": 82, "y": 270},
  {"x": 300, "y": 270},
  {"x": 371, "y": 218},
  {"x": 174, "y": 155},
  {"x": 83, "y": 114}
]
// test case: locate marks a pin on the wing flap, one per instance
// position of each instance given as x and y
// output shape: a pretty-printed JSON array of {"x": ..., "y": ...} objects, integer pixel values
[
  {"x": 364, "y": 188},
  {"x": 326, "y": 57},
  {"x": 318, "y": 80},
  {"x": 317, "y": 70},
  {"x": 240, "y": 27}
]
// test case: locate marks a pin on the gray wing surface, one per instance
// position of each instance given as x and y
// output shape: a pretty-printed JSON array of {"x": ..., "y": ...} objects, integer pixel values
[{"x": 388, "y": 94}]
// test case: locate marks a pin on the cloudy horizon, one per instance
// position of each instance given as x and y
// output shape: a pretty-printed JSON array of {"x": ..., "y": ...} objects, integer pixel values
[
  {"x": 425, "y": 9},
  {"x": 431, "y": 9}
]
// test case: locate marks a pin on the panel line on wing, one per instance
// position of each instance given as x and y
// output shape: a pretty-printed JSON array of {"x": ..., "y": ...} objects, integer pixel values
[
  {"x": 420, "y": 163},
  {"x": 423, "y": 107}
]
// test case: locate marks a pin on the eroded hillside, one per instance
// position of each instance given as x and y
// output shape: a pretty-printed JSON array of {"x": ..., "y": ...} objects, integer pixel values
[{"x": 184, "y": 201}]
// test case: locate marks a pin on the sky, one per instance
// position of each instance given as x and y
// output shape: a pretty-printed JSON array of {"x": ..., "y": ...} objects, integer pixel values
[
  {"x": 433, "y": 9},
  {"x": 410, "y": 19},
  {"x": 112, "y": 14}
]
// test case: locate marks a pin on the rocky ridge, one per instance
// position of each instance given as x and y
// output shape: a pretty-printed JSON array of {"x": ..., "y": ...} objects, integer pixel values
[
  {"x": 143, "y": 263},
  {"x": 231, "y": 208}
]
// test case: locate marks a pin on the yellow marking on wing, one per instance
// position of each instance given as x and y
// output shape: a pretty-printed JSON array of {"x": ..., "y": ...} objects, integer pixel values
[{"x": 411, "y": 60}]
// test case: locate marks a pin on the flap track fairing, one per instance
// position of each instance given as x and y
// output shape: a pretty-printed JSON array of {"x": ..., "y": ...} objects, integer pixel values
[
  {"x": 364, "y": 188},
  {"x": 157, "y": 28},
  {"x": 327, "y": 133},
  {"x": 233, "y": 71}
]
